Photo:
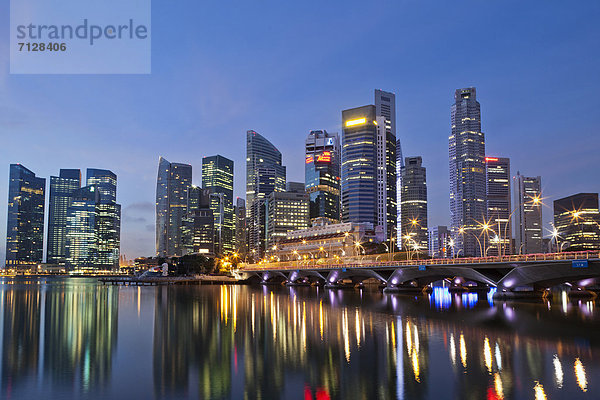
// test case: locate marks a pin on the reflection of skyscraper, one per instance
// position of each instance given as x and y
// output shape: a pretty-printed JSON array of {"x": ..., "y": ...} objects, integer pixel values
[
  {"x": 322, "y": 176},
  {"x": 264, "y": 174},
  {"x": 61, "y": 196},
  {"x": 172, "y": 185},
  {"x": 25, "y": 222},
  {"x": 217, "y": 176},
  {"x": 467, "y": 172},
  {"x": 20, "y": 336}
]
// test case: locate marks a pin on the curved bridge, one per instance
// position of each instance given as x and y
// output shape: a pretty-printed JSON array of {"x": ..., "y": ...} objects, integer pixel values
[{"x": 507, "y": 273}]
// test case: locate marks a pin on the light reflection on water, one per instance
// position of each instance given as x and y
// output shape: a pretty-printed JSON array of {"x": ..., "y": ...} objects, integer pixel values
[{"x": 73, "y": 338}]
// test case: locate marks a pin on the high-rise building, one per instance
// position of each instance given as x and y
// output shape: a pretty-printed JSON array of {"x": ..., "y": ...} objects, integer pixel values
[
  {"x": 217, "y": 176},
  {"x": 198, "y": 225},
  {"x": 389, "y": 146},
  {"x": 25, "y": 222},
  {"x": 528, "y": 214},
  {"x": 439, "y": 242},
  {"x": 286, "y": 212},
  {"x": 108, "y": 217},
  {"x": 322, "y": 176},
  {"x": 172, "y": 184},
  {"x": 359, "y": 165},
  {"x": 241, "y": 230},
  {"x": 62, "y": 188},
  {"x": 265, "y": 174},
  {"x": 577, "y": 220},
  {"x": 399, "y": 165},
  {"x": 93, "y": 230},
  {"x": 414, "y": 205},
  {"x": 467, "y": 173},
  {"x": 498, "y": 235}
]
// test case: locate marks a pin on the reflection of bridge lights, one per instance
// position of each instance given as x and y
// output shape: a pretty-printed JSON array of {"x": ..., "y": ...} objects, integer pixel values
[
  {"x": 498, "y": 357},
  {"x": 580, "y": 375},
  {"x": 452, "y": 349},
  {"x": 441, "y": 297},
  {"x": 564, "y": 301},
  {"x": 539, "y": 391},
  {"x": 345, "y": 334},
  {"x": 487, "y": 355},
  {"x": 463, "y": 351},
  {"x": 498, "y": 386},
  {"x": 558, "y": 372},
  {"x": 357, "y": 327},
  {"x": 470, "y": 299},
  {"x": 321, "y": 318}
]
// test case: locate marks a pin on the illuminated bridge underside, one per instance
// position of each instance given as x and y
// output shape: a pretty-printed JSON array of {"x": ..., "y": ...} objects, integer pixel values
[{"x": 503, "y": 275}]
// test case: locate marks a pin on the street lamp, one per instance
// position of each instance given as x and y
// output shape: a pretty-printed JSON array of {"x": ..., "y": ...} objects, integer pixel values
[{"x": 462, "y": 231}]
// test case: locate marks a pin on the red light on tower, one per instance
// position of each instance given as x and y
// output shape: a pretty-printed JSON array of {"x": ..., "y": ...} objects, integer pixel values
[
  {"x": 488, "y": 159},
  {"x": 324, "y": 157}
]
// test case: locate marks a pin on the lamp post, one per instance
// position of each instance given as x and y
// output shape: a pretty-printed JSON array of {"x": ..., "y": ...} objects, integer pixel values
[{"x": 462, "y": 231}]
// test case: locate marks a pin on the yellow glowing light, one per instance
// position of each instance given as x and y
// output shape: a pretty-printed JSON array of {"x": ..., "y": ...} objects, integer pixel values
[
  {"x": 487, "y": 355},
  {"x": 358, "y": 121},
  {"x": 539, "y": 391},
  {"x": 463, "y": 351},
  {"x": 452, "y": 349},
  {"x": 580, "y": 375},
  {"x": 498, "y": 386},
  {"x": 558, "y": 372}
]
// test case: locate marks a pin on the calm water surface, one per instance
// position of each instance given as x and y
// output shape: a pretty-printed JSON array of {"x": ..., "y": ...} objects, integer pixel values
[{"x": 72, "y": 338}]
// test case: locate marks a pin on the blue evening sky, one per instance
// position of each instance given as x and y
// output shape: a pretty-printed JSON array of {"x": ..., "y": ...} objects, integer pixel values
[{"x": 284, "y": 68}]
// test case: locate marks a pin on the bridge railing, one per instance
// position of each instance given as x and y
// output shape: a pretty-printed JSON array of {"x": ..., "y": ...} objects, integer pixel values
[{"x": 373, "y": 261}]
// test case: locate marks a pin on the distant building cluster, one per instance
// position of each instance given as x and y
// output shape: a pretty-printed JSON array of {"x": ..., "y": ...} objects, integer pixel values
[
  {"x": 84, "y": 223},
  {"x": 358, "y": 188}
]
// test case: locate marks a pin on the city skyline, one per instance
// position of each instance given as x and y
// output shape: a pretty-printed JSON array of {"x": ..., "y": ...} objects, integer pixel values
[{"x": 540, "y": 118}]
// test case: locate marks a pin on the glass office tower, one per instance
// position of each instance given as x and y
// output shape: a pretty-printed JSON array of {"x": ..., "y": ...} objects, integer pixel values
[
  {"x": 414, "y": 205},
  {"x": 528, "y": 214},
  {"x": 25, "y": 222},
  {"x": 217, "y": 176},
  {"x": 498, "y": 237},
  {"x": 264, "y": 174},
  {"x": 81, "y": 246},
  {"x": 322, "y": 177},
  {"x": 467, "y": 173},
  {"x": 172, "y": 186},
  {"x": 62, "y": 188},
  {"x": 577, "y": 220}
]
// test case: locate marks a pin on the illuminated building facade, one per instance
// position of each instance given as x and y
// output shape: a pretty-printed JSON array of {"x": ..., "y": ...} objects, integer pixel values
[
  {"x": 286, "y": 211},
  {"x": 528, "y": 215},
  {"x": 414, "y": 205},
  {"x": 265, "y": 174},
  {"x": 498, "y": 237},
  {"x": 439, "y": 242},
  {"x": 172, "y": 184},
  {"x": 93, "y": 230},
  {"x": 388, "y": 148},
  {"x": 198, "y": 225},
  {"x": 217, "y": 176},
  {"x": 467, "y": 172},
  {"x": 577, "y": 220},
  {"x": 322, "y": 176},
  {"x": 25, "y": 221},
  {"x": 62, "y": 188},
  {"x": 241, "y": 229}
]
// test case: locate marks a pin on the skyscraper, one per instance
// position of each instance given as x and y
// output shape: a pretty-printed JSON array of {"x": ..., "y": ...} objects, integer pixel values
[
  {"x": 241, "y": 229},
  {"x": 439, "y": 242},
  {"x": 467, "y": 173},
  {"x": 359, "y": 165},
  {"x": 577, "y": 220},
  {"x": 25, "y": 222},
  {"x": 322, "y": 176},
  {"x": 414, "y": 205},
  {"x": 498, "y": 236},
  {"x": 108, "y": 218},
  {"x": 286, "y": 212},
  {"x": 93, "y": 230},
  {"x": 264, "y": 174},
  {"x": 217, "y": 176},
  {"x": 172, "y": 186},
  {"x": 62, "y": 188},
  {"x": 198, "y": 225},
  {"x": 385, "y": 106},
  {"x": 528, "y": 215}
]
